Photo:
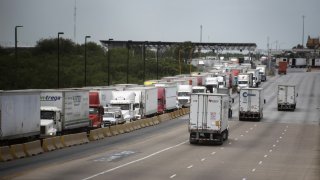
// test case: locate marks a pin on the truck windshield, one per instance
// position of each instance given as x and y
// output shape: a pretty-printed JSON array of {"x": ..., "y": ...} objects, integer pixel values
[
  {"x": 93, "y": 111},
  {"x": 183, "y": 94},
  {"x": 198, "y": 90},
  {"x": 220, "y": 83},
  {"x": 122, "y": 106},
  {"x": 47, "y": 114},
  {"x": 242, "y": 82},
  {"x": 108, "y": 114}
]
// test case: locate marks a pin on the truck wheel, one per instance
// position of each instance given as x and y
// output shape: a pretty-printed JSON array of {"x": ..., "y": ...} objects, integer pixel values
[
  {"x": 220, "y": 142},
  {"x": 193, "y": 141},
  {"x": 226, "y": 135}
]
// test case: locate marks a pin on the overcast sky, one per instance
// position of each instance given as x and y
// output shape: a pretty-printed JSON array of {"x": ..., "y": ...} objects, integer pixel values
[{"x": 238, "y": 21}]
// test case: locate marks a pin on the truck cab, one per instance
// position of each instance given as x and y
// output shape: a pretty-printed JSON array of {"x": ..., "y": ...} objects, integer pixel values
[
  {"x": 199, "y": 89},
  {"x": 95, "y": 110},
  {"x": 50, "y": 120},
  {"x": 125, "y": 100},
  {"x": 184, "y": 92},
  {"x": 211, "y": 84},
  {"x": 244, "y": 81}
]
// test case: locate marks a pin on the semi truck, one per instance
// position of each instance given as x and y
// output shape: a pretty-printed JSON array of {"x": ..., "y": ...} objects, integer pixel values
[
  {"x": 95, "y": 109},
  {"x": 146, "y": 101},
  {"x": 112, "y": 116},
  {"x": 282, "y": 69},
  {"x": 63, "y": 111},
  {"x": 286, "y": 97},
  {"x": 125, "y": 100},
  {"x": 19, "y": 114},
  {"x": 184, "y": 92},
  {"x": 255, "y": 77},
  {"x": 251, "y": 104},
  {"x": 244, "y": 81},
  {"x": 211, "y": 84},
  {"x": 208, "y": 118},
  {"x": 299, "y": 62},
  {"x": 262, "y": 72},
  {"x": 227, "y": 92}
]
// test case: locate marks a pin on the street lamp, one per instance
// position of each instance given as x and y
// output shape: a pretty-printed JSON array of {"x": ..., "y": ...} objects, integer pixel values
[
  {"x": 109, "y": 48},
  {"x": 59, "y": 33},
  {"x": 128, "y": 56},
  {"x": 16, "y": 41},
  {"x": 85, "y": 59}
]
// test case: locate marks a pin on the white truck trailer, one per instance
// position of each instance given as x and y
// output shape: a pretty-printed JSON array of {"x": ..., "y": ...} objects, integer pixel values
[
  {"x": 251, "y": 104},
  {"x": 184, "y": 92},
  {"x": 286, "y": 97},
  {"x": 262, "y": 72},
  {"x": 170, "y": 95},
  {"x": 64, "y": 110},
  {"x": 255, "y": 77},
  {"x": 208, "y": 118},
  {"x": 146, "y": 100},
  {"x": 19, "y": 114}
]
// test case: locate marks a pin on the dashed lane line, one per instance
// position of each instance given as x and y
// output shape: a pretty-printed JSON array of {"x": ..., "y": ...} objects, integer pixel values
[
  {"x": 174, "y": 175},
  {"x": 190, "y": 166}
]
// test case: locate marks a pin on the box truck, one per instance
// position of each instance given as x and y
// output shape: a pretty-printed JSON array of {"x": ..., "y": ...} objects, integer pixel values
[
  {"x": 19, "y": 114},
  {"x": 255, "y": 77},
  {"x": 227, "y": 92},
  {"x": 208, "y": 118},
  {"x": 251, "y": 104},
  {"x": 282, "y": 69},
  {"x": 262, "y": 72},
  {"x": 286, "y": 97},
  {"x": 64, "y": 110},
  {"x": 146, "y": 101}
]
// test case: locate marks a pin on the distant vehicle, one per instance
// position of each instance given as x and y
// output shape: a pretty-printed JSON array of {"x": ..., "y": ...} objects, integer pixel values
[
  {"x": 212, "y": 84},
  {"x": 299, "y": 62},
  {"x": 282, "y": 69},
  {"x": 19, "y": 114},
  {"x": 227, "y": 92},
  {"x": 251, "y": 104},
  {"x": 208, "y": 118},
  {"x": 125, "y": 100},
  {"x": 184, "y": 92},
  {"x": 286, "y": 97},
  {"x": 262, "y": 72},
  {"x": 255, "y": 77},
  {"x": 199, "y": 89},
  {"x": 112, "y": 116},
  {"x": 95, "y": 109},
  {"x": 245, "y": 80}
]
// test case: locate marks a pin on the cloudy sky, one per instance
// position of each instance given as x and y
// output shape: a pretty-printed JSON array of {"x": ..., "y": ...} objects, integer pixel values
[{"x": 245, "y": 21}]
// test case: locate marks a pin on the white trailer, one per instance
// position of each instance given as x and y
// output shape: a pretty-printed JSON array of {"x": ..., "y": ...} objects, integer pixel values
[
  {"x": 286, "y": 97},
  {"x": 255, "y": 77},
  {"x": 19, "y": 114},
  {"x": 64, "y": 110},
  {"x": 208, "y": 118},
  {"x": 299, "y": 62},
  {"x": 251, "y": 104},
  {"x": 262, "y": 72},
  {"x": 184, "y": 92},
  {"x": 147, "y": 99},
  {"x": 170, "y": 90}
]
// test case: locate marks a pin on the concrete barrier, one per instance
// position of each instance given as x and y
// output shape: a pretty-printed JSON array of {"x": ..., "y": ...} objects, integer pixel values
[
  {"x": 173, "y": 115},
  {"x": 33, "y": 148},
  {"x": 68, "y": 140},
  {"x": 130, "y": 126},
  {"x": 57, "y": 142},
  {"x": 155, "y": 120},
  {"x": 48, "y": 144},
  {"x": 100, "y": 133},
  {"x": 17, "y": 151},
  {"x": 150, "y": 121},
  {"x": 142, "y": 124},
  {"x": 126, "y": 128},
  {"x": 83, "y": 137},
  {"x": 93, "y": 135},
  {"x": 114, "y": 130},
  {"x": 120, "y": 128},
  {"x": 138, "y": 124},
  {"x": 5, "y": 154},
  {"x": 107, "y": 132}
]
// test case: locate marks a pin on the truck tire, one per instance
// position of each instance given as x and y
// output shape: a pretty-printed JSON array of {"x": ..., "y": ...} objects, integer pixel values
[
  {"x": 226, "y": 135},
  {"x": 191, "y": 141},
  {"x": 220, "y": 142}
]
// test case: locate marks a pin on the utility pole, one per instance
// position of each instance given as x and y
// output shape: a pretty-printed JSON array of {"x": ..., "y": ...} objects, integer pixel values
[
  {"x": 269, "y": 58},
  {"x": 303, "y": 31},
  {"x": 200, "y": 33}
]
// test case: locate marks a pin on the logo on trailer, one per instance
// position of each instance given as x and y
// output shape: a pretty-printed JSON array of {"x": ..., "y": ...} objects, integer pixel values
[
  {"x": 50, "y": 98},
  {"x": 246, "y": 94}
]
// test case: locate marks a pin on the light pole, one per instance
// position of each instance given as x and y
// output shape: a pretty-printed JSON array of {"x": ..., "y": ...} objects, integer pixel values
[
  {"x": 109, "y": 51},
  {"x": 59, "y": 33},
  {"x": 85, "y": 60},
  {"x": 128, "y": 56},
  {"x": 303, "y": 30},
  {"x": 16, "y": 41}
]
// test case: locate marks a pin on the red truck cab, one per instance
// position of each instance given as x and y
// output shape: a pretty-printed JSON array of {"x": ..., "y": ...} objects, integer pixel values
[
  {"x": 282, "y": 67},
  {"x": 161, "y": 100},
  {"x": 96, "y": 110}
]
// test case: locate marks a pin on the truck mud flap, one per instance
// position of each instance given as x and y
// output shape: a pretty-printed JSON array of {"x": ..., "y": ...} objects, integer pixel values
[
  {"x": 249, "y": 116},
  {"x": 286, "y": 107}
]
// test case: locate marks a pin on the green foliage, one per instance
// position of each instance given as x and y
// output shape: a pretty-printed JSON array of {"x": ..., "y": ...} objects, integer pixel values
[{"x": 36, "y": 68}]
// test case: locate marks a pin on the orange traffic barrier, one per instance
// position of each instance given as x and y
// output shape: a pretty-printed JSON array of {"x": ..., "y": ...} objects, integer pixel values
[
  {"x": 5, "y": 154},
  {"x": 48, "y": 144},
  {"x": 17, "y": 151},
  {"x": 107, "y": 132},
  {"x": 32, "y": 148},
  {"x": 114, "y": 130}
]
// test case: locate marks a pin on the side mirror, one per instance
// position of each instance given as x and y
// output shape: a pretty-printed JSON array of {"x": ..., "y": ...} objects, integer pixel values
[
  {"x": 264, "y": 101},
  {"x": 232, "y": 100}
]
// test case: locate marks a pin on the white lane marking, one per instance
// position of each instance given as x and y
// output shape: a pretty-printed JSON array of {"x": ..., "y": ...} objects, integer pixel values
[
  {"x": 241, "y": 135},
  {"x": 287, "y": 126},
  {"x": 277, "y": 141},
  {"x": 230, "y": 143},
  {"x": 274, "y": 145},
  {"x": 203, "y": 159},
  {"x": 265, "y": 156},
  {"x": 244, "y": 179},
  {"x": 280, "y": 137},
  {"x": 282, "y": 133},
  {"x": 253, "y": 170},
  {"x": 247, "y": 131},
  {"x": 135, "y": 161},
  {"x": 236, "y": 139},
  {"x": 255, "y": 125},
  {"x": 173, "y": 176},
  {"x": 251, "y": 128},
  {"x": 190, "y": 166},
  {"x": 260, "y": 162},
  {"x": 270, "y": 150},
  {"x": 213, "y": 153},
  {"x": 285, "y": 130},
  {"x": 222, "y": 148}
]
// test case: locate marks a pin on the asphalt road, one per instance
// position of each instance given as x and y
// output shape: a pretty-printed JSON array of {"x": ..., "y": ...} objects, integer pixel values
[{"x": 283, "y": 145}]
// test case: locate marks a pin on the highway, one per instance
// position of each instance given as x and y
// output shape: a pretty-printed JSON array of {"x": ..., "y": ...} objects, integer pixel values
[{"x": 283, "y": 145}]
